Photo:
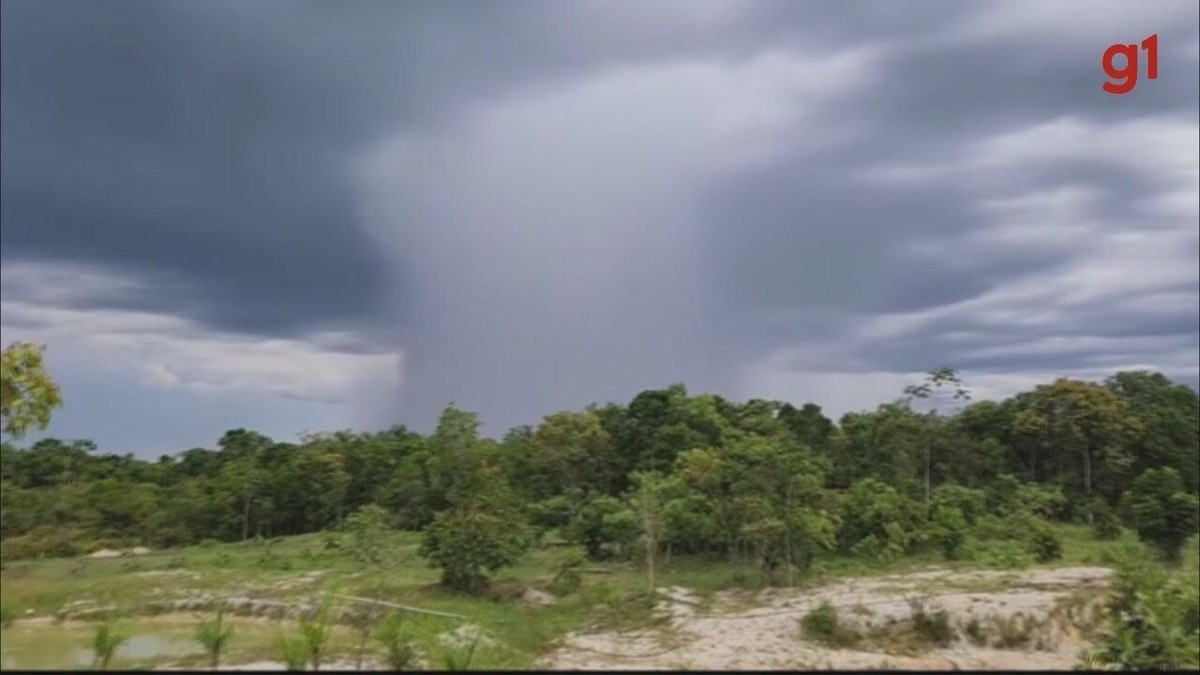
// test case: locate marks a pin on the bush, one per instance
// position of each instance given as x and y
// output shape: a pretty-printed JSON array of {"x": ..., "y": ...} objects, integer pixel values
[
  {"x": 822, "y": 624},
  {"x": 467, "y": 542},
  {"x": 398, "y": 650},
  {"x": 931, "y": 627},
  {"x": 1044, "y": 543},
  {"x": 1106, "y": 525},
  {"x": 588, "y": 527},
  {"x": 569, "y": 574},
  {"x": 1164, "y": 514},
  {"x": 7, "y": 615},
  {"x": 1154, "y": 617},
  {"x": 950, "y": 530}
]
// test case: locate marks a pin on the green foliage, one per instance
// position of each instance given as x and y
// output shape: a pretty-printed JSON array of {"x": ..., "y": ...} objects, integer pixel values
[
  {"x": 823, "y": 624},
  {"x": 950, "y": 529},
  {"x": 465, "y": 543},
  {"x": 214, "y": 636},
  {"x": 314, "y": 635},
  {"x": 878, "y": 520},
  {"x": 399, "y": 653},
  {"x": 1154, "y": 617},
  {"x": 1044, "y": 542},
  {"x": 367, "y": 531},
  {"x": 568, "y": 574},
  {"x": 1163, "y": 514},
  {"x": 106, "y": 639},
  {"x": 601, "y": 538},
  {"x": 28, "y": 395},
  {"x": 293, "y": 652},
  {"x": 7, "y": 615},
  {"x": 1106, "y": 524},
  {"x": 459, "y": 659}
]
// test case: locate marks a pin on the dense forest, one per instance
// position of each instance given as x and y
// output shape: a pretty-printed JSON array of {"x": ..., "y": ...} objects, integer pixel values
[{"x": 670, "y": 473}]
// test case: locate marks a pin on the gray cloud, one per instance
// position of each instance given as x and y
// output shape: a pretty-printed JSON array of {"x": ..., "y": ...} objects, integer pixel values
[{"x": 541, "y": 204}]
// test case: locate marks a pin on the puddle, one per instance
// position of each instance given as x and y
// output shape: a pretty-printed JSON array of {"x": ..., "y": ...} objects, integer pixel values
[{"x": 67, "y": 648}]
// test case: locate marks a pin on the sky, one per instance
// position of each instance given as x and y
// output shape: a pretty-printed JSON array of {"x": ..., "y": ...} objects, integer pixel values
[{"x": 310, "y": 216}]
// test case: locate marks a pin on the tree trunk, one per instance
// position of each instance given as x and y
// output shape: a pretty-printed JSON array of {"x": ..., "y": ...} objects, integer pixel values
[
  {"x": 650, "y": 546},
  {"x": 928, "y": 459},
  {"x": 246, "y": 517},
  {"x": 1087, "y": 480}
]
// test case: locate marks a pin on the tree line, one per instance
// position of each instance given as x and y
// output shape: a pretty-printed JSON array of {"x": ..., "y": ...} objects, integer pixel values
[{"x": 670, "y": 473}]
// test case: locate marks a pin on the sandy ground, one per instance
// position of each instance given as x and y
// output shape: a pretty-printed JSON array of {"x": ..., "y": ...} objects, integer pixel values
[{"x": 728, "y": 635}]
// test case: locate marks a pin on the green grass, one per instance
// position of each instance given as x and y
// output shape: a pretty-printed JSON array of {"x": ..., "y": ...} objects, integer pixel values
[{"x": 521, "y": 633}]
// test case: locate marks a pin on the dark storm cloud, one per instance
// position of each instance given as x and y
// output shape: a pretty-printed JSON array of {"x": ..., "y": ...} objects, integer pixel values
[{"x": 214, "y": 150}]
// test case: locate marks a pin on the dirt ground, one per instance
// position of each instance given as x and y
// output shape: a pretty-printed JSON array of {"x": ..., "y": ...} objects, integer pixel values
[{"x": 742, "y": 630}]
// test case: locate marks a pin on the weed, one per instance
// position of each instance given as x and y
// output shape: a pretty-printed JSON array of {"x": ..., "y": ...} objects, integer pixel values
[
  {"x": 214, "y": 635},
  {"x": 932, "y": 627},
  {"x": 7, "y": 615},
  {"x": 457, "y": 659},
  {"x": 975, "y": 633},
  {"x": 822, "y": 624},
  {"x": 398, "y": 650},
  {"x": 1014, "y": 632},
  {"x": 293, "y": 653}
]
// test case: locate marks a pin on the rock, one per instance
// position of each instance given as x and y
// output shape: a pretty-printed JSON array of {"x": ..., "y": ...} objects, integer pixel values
[
  {"x": 139, "y": 550},
  {"x": 535, "y": 598},
  {"x": 105, "y": 553}
]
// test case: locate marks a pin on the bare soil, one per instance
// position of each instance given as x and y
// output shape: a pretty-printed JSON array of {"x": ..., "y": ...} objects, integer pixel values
[{"x": 1023, "y": 620}]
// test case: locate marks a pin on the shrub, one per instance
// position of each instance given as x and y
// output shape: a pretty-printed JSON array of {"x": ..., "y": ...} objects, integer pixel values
[
  {"x": 1154, "y": 617},
  {"x": 458, "y": 659},
  {"x": 1164, "y": 515},
  {"x": 7, "y": 615},
  {"x": 398, "y": 650},
  {"x": 822, "y": 624},
  {"x": 950, "y": 530},
  {"x": 569, "y": 574},
  {"x": 467, "y": 542},
  {"x": 214, "y": 635},
  {"x": 1044, "y": 543},
  {"x": 1106, "y": 525},
  {"x": 930, "y": 627}
]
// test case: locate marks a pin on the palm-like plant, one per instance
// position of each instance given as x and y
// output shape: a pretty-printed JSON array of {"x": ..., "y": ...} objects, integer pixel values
[
  {"x": 214, "y": 635},
  {"x": 105, "y": 642}
]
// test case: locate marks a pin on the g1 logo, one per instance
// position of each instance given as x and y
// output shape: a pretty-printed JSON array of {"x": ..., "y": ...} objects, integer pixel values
[{"x": 1127, "y": 76}]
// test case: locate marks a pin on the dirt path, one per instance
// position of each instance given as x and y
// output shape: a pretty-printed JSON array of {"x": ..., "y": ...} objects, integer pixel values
[{"x": 1024, "y": 622}]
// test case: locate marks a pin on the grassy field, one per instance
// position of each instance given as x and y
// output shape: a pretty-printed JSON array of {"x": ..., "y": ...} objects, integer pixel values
[{"x": 298, "y": 569}]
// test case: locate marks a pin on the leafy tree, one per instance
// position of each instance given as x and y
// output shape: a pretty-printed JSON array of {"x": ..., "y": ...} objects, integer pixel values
[
  {"x": 936, "y": 382},
  {"x": 1163, "y": 514},
  {"x": 28, "y": 395},
  {"x": 652, "y": 491},
  {"x": 1088, "y": 421},
  {"x": 467, "y": 542}
]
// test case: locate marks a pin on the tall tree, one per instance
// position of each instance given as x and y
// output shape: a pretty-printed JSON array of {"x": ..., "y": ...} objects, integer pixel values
[
  {"x": 938, "y": 382},
  {"x": 1088, "y": 421}
]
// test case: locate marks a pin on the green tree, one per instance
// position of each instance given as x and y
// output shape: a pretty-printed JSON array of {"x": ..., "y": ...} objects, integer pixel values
[
  {"x": 1164, "y": 515},
  {"x": 28, "y": 395},
  {"x": 467, "y": 542},
  {"x": 937, "y": 382},
  {"x": 1085, "y": 420},
  {"x": 652, "y": 491}
]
